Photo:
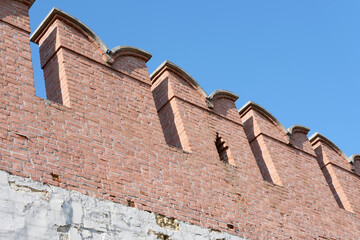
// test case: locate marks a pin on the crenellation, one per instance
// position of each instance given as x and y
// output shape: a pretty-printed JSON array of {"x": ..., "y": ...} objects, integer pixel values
[
  {"x": 260, "y": 127},
  {"x": 261, "y": 121},
  {"x": 180, "y": 84},
  {"x": 173, "y": 90},
  {"x": 337, "y": 171},
  {"x": 167, "y": 65},
  {"x": 331, "y": 153},
  {"x": 72, "y": 22},
  {"x": 355, "y": 159},
  {"x": 299, "y": 139},
  {"x": 16, "y": 68},
  {"x": 139, "y": 148},
  {"x": 15, "y": 13},
  {"x": 223, "y": 104}
]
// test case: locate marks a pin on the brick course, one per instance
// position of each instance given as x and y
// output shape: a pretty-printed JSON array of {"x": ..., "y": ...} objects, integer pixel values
[{"x": 109, "y": 130}]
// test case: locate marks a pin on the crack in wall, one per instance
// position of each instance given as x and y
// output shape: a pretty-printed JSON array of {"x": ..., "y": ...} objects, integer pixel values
[{"x": 23, "y": 188}]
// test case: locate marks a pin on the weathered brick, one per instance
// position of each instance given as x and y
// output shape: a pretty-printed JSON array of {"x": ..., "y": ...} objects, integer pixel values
[{"x": 111, "y": 131}]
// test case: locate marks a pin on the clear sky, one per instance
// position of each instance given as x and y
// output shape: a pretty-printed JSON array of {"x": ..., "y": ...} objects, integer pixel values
[{"x": 298, "y": 59}]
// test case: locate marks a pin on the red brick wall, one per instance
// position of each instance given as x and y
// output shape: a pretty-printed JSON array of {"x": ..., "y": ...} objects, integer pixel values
[{"x": 107, "y": 140}]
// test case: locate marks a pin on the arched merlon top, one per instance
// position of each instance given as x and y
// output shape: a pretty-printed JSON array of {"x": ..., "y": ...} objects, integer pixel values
[
  {"x": 179, "y": 71},
  {"x": 298, "y": 128},
  {"x": 105, "y": 50},
  {"x": 316, "y": 137},
  {"x": 128, "y": 49},
  {"x": 355, "y": 157},
  {"x": 223, "y": 93},
  {"x": 55, "y": 11},
  {"x": 249, "y": 105},
  {"x": 187, "y": 77}
]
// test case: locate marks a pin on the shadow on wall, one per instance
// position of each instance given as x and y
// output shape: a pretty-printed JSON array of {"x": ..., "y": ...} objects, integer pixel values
[
  {"x": 299, "y": 141},
  {"x": 256, "y": 150},
  {"x": 167, "y": 115},
  {"x": 224, "y": 107},
  {"x": 328, "y": 177}
]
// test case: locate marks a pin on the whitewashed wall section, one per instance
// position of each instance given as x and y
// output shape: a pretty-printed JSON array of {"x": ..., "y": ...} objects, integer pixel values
[{"x": 31, "y": 210}]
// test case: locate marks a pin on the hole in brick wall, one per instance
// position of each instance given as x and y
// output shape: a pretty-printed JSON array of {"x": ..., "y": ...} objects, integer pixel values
[
  {"x": 130, "y": 203},
  {"x": 230, "y": 226},
  {"x": 55, "y": 177},
  {"x": 223, "y": 150},
  {"x": 22, "y": 136},
  {"x": 215, "y": 230}
]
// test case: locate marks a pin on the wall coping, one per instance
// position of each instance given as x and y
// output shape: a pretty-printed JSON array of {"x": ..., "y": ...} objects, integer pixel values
[
  {"x": 355, "y": 157},
  {"x": 123, "y": 48},
  {"x": 109, "y": 53},
  {"x": 186, "y": 76},
  {"x": 55, "y": 11},
  {"x": 175, "y": 68},
  {"x": 298, "y": 128},
  {"x": 316, "y": 137},
  {"x": 225, "y": 93},
  {"x": 266, "y": 113}
]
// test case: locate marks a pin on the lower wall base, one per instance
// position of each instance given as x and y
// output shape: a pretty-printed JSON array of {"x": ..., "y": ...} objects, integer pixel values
[{"x": 31, "y": 210}]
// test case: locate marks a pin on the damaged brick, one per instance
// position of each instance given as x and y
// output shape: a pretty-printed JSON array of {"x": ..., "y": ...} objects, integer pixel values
[
  {"x": 63, "y": 232},
  {"x": 22, "y": 136},
  {"x": 230, "y": 226},
  {"x": 159, "y": 235},
  {"x": 55, "y": 177},
  {"x": 167, "y": 222},
  {"x": 130, "y": 203},
  {"x": 45, "y": 194}
]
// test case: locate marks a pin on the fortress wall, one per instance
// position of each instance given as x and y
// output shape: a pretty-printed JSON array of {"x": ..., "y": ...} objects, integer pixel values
[{"x": 159, "y": 143}]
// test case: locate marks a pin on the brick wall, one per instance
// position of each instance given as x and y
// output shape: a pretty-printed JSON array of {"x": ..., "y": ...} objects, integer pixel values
[{"x": 109, "y": 130}]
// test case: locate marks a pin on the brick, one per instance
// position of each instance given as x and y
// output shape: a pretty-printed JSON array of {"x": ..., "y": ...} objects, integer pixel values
[{"x": 111, "y": 131}]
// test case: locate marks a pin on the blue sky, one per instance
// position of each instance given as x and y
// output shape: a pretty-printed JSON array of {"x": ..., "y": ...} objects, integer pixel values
[{"x": 298, "y": 59}]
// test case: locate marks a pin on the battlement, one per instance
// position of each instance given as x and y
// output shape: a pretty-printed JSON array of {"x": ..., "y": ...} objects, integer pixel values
[{"x": 159, "y": 142}]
